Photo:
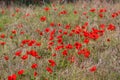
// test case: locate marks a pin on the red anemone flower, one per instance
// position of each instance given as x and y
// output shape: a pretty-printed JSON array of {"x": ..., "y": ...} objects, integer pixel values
[
  {"x": 93, "y": 69},
  {"x": 43, "y": 18}
]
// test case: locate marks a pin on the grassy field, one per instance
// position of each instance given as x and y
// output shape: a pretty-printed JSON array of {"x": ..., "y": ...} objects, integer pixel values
[{"x": 60, "y": 42}]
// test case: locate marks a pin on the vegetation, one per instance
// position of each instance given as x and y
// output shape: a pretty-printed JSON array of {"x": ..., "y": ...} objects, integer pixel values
[
  {"x": 60, "y": 42},
  {"x": 41, "y": 2}
]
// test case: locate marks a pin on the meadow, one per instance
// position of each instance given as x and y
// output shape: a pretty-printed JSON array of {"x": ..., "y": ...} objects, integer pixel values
[{"x": 78, "y": 41}]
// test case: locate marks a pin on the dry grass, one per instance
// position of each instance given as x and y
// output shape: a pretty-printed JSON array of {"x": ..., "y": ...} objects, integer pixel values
[{"x": 104, "y": 54}]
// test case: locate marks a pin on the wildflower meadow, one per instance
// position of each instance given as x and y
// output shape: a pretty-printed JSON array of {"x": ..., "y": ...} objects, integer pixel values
[{"x": 70, "y": 41}]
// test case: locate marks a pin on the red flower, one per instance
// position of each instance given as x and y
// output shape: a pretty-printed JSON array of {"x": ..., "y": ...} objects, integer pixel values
[
  {"x": 51, "y": 37},
  {"x": 59, "y": 24},
  {"x": 6, "y": 57},
  {"x": 101, "y": 15},
  {"x": 34, "y": 66},
  {"x": 43, "y": 18},
  {"x": 12, "y": 77},
  {"x": 102, "y": 10},
  {"x": 60, "y": 30},
  {"x": 25, "y": 41},
  {"x": 67, "y": 26},
  {"x": 86, "y": 40},
  {"x": 54, "y": 54},
  {"x": 31, "y": 42},
  {"x": 46, "y": 8},
  {"x": 92, "y": 10},
  {"x": 102, "y": 26},
  {"x": 38, "y": 44},
  {"x": 49, "y": 70},
  {"x": 75, "y": 12},
  {"x": 2, "y": 43},
  {"x": 63, "y": 12},
  {"x": 35, "y": 74},
  {"x": 24, "y": 57},
  {"x": 80, "y": 52},
  {"x": 47, "y": 29},
  {"x": 71, "y": 34},
  {"x": 86, "y": 34},
  {"x": 85, "y": 52},
  {"x": 65, "y": 32},
  {"x": 13, "y": 15},
  {"x": 41, "y": 33},
  {"x": 3, "y": 11},
  {"x": 77, "y": 45},
  {"x": 108, "y": 40},
  {"x": 52, "y": 24},
  {"x": 2, "y": 36},
  {"x": 77, "y": 30},
  {"x": 52, "y": 63},
  {"x": 60, "y": 41},
  {"x": 38, "y": 57},
  {"x": 101, "y": 32},
  {"x": 11, "y": 37},
  {"x": 65, "y": 53},
  {"x": 113, "y": 15},
  {"x": 33, "y": 53},
  {"x": 20, "y": 72},
  {"x": 94, "y": 35},
  {"x": 59, "y": 47},
  {"x": 27, "y": 14},
  {"x": 84, "y": 13},
  {"x": 18, "y": 53},
  {"x": 17, "y": 10},
  {"x": 69, "y": 46},
  {"x": 51, "y": 43},
  {"x": 14, "y": 31},
  {"x": 22, "y": 32},
  {"x": 93, "y": 69},
  {"x": 52, "y": 32},
  {"x": 111, "y": 27}
]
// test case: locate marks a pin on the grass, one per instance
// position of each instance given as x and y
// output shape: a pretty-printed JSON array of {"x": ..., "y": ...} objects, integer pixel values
[{"x": 26, "y": 25}]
